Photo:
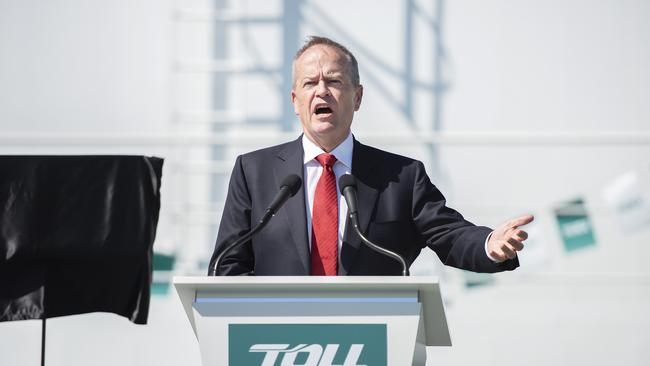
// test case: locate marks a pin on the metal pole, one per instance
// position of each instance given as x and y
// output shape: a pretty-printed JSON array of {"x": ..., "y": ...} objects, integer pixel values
[{"x": 43, "y": 341}]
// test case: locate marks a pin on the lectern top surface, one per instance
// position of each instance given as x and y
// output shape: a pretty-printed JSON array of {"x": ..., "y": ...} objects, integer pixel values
[{"x": 425, "y": 288}]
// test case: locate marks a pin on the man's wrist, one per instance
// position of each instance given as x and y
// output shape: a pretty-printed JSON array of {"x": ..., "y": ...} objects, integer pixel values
[{"x": 487, "y": 252}]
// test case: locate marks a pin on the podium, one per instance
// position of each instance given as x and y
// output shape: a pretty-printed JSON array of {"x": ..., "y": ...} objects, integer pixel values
[{"x": 315, "y": 321}]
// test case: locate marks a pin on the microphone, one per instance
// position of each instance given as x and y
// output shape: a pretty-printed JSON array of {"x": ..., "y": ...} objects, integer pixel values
[
  {"x": 348, "y": 187},
  {"x": 288, "y": 188}
]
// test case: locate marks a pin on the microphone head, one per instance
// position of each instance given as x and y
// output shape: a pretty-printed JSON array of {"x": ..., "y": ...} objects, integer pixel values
[
  {"x": 293, "y": 182},
  {"x": 347, "y": 180}
]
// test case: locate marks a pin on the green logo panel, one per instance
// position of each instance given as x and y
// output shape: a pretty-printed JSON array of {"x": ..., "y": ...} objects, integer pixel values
[
  {"x": 307, "y": 344},
  {"x": 575, "y": 226}
]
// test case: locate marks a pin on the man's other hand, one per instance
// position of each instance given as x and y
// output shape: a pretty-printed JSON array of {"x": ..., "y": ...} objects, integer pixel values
[{"x": 507, "y": 239}]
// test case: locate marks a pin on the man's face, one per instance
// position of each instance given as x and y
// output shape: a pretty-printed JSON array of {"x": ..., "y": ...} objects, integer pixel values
[{"x": 323, "y": 95}]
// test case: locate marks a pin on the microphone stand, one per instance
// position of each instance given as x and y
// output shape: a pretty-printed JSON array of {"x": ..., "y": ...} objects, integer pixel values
[
  {"x": 262, "y": 223},
  {"x": 348, "y": 188},
  {"x": 288, "y": 188},
  {"x": 377, "y": 248}
]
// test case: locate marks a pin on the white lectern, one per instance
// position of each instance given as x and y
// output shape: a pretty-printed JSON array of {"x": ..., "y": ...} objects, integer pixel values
[{"x": 315, "y": 321}]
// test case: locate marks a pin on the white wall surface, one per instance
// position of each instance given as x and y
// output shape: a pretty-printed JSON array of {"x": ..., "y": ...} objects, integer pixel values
[
  {"x": 84, "y": 66},
  {"x": 536, "y": 80}
]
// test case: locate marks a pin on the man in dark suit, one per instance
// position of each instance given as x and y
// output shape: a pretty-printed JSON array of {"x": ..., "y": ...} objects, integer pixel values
[{"x": 399, "y": 207}]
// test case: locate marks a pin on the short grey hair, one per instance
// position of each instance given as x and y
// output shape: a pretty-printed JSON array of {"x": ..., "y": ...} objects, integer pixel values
[{"x": 353, "y": 66}]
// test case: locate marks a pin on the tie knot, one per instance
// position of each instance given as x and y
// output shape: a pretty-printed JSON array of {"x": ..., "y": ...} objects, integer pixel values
[{"x": 326, "y": 160}]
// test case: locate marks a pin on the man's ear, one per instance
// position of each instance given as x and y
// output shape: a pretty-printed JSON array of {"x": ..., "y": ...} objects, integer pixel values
[
  {"x": 293, "y": 101},
  {"x": 358, "y": 97}
]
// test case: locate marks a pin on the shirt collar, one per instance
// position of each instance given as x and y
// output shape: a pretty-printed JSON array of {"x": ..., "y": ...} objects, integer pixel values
[{"x": 343, "y": 151}]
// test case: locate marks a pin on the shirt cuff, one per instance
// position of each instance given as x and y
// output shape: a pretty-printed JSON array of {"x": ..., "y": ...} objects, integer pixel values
[{"x": 486, "y": 249}]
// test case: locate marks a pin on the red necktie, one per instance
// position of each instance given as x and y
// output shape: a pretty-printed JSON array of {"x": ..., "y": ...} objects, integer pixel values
[{"x": 325, "y": 221}]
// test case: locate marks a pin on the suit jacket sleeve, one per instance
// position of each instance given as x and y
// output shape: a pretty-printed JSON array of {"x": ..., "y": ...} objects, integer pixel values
[
  {"x": 235, "y": 222},
  {"x": 456, "y": 241}
]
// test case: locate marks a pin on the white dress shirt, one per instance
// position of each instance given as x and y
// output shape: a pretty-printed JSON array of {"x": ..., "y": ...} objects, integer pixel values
[{"x": 312, "y": 172}]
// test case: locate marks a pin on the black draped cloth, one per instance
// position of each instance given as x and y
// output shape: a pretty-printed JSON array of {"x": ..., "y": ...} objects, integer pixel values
[{"x": 76, "y": 235}]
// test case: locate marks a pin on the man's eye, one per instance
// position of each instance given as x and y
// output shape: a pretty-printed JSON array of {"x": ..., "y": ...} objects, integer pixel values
[
  {"x": 309, "y": 83},
  {"x": 335, "y": 81}
]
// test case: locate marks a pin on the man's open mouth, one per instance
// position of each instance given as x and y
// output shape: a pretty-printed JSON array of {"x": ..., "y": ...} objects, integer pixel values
[{"x": 323, "y": 110}]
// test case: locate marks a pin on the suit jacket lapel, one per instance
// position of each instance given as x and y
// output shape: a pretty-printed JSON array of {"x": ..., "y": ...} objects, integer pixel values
[
  {"x": 362, "y": 170},
  {"x": 290, "y": 161}
]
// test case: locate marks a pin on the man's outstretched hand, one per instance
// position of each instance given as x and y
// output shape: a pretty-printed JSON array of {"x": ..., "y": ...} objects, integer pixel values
[{"x": 507, "y": 239}]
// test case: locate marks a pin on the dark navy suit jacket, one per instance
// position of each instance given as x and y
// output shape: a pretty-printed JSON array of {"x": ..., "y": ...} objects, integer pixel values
[{"x": 399, "y": 208}]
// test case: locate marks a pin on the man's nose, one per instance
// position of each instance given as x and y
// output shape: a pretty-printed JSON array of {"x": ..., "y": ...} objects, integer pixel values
[{"x": 322, "y": 89}]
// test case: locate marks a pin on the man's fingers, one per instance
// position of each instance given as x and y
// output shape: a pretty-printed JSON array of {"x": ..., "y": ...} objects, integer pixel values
[
  {"x": 505, "y": 245},
  {"x": 520, "y": 235},
  {"x": 499, "y": 256},
  {"x": 522, "y": 220},
  {"x": 509, "y": 253},
  {"x": 515, "y": 244}
]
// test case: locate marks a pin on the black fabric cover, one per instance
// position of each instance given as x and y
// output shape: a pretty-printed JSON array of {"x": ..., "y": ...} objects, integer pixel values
[{"x": 76, "y": 235}]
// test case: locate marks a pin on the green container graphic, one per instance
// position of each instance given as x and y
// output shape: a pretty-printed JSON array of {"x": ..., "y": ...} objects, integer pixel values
[{"x": 575, "y": 227}]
